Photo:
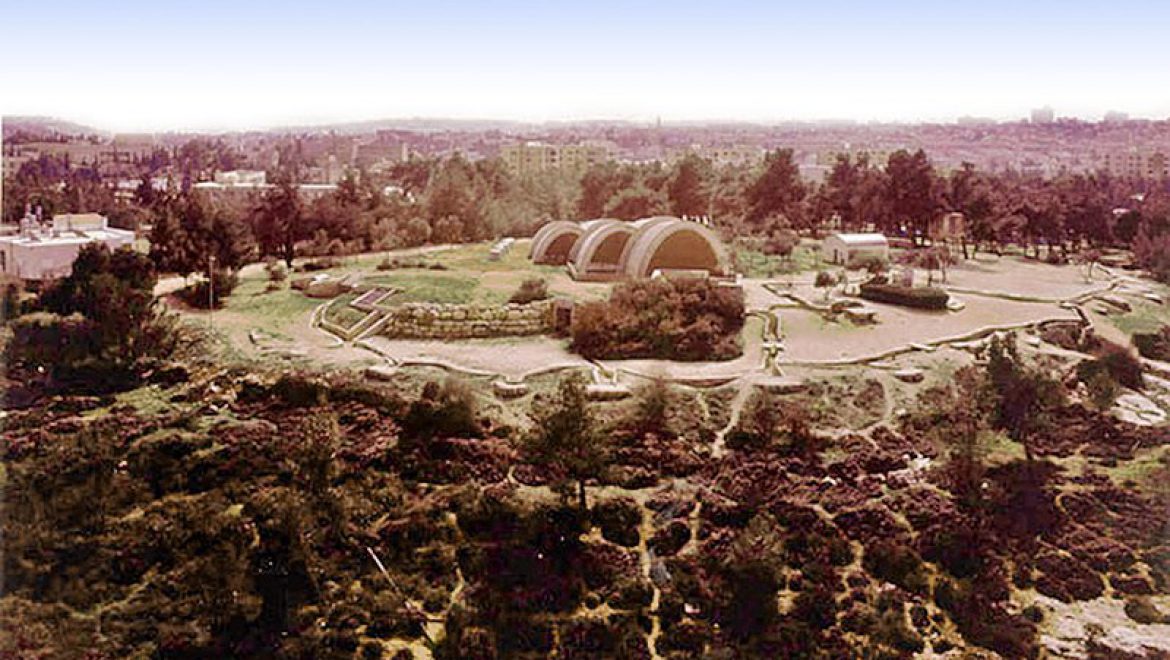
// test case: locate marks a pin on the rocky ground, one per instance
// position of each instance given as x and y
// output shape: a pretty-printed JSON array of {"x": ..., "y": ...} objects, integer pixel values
[{"x": 214, "y": 513}]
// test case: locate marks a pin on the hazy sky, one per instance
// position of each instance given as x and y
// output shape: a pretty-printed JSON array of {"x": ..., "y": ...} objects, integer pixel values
[{"x": 191, "y": 65}]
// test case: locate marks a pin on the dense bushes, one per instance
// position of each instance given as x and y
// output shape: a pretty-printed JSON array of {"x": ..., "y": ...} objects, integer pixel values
[
  {"x": 767, "y": 423},
  {"x": 277, "y": 271},
  {"x": 662, "y": 319},
  {"x": 447, "y": 410},
  {"x": 221, "y": 285},
  {"x": 103, "y": 324},
  {"x": 919, "y": 297},
  {"x": 531, "y": 290},
  {"x": 897, "y": 564},
  {"x": 1153, "y": 345},
  {"x": 1120, "y": 364}
]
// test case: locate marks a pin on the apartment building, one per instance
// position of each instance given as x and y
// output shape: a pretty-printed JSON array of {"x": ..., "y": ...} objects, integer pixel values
[
  {"x": 735, "y": 154},
  {"x": 1137, "y": 163},
  {"x": 532, "y": 157}
]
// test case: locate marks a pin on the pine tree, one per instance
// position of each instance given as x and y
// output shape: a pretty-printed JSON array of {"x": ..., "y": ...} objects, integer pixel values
[{"x": 566, "y": 438}]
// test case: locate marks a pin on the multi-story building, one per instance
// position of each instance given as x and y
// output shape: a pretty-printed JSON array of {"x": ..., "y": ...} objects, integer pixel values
[
  {"x": 1138, "y": 164},
  {"x": 532, "y": 157},
  {"x": 736, "y": 154}
]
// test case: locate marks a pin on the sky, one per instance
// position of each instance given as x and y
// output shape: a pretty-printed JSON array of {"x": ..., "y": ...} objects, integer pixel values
[{"x": 214, "y": 65}]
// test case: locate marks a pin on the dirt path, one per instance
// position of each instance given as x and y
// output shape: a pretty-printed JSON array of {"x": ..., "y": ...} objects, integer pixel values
[{"x": 742, "y": 394}]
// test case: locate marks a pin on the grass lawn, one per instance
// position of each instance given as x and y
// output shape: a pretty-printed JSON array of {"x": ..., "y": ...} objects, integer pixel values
[
  {"x": 341, "y": 313},
  {"x": 427, "y": 285},
  {"x": 1148, "y": 469},
  {"x": 469, "y": 277},
  {"x": 1145, "y": 317},
  {"x": 268, "y": 307},
  {"x": 752, "y": 262}
]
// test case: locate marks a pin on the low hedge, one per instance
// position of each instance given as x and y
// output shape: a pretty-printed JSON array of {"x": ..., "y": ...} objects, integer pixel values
[
  {"x": 1154, "y": 345},
  {"x": 920, "y": 297}
]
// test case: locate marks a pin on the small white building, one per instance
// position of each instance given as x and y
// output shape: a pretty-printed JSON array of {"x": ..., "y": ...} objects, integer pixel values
[
  {"x": 842, "y": 249},
  {"x": 46, "y": 251}
]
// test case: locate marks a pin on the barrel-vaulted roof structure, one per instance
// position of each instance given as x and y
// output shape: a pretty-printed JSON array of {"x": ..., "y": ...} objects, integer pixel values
[
  {"x": 608, "y": 249},
  {"x": 674, "y": 244},
  {"x": 553, "y": 242},
  {"x": 597, "y": 255}
]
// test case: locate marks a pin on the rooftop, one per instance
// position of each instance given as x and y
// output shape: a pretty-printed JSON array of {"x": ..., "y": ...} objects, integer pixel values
[{"x": 862, "y": 239}]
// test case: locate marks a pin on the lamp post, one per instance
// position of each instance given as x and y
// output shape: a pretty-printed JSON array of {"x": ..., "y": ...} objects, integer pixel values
[{"x": 211, "y": 292}]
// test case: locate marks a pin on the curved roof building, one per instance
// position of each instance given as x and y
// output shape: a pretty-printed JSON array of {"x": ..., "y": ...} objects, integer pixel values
[
  {"x": 609, "y": 249},
  {"x": 597, "y": 256},
  {"x": 554, "y": 241},
  {"x": 674, "y": 245}
]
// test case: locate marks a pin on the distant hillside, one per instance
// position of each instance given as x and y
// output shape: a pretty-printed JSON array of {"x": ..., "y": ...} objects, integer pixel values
[{"x": 43, "y": 127}]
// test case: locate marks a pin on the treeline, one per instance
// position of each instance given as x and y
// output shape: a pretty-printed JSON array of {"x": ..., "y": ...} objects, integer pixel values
[{"x": 453, "y": 200}]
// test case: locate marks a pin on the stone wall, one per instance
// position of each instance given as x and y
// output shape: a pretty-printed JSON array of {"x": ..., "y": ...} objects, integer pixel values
[{"x": 436, "y": 321}]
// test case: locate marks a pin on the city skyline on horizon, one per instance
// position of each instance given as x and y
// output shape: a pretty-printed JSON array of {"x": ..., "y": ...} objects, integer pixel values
[
  {"x": 358, "y": 125},
  {"x": 131, "y": 66}
]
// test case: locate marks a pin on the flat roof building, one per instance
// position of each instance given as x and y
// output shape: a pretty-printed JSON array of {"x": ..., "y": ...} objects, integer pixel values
[
  {"x": 533, "y": 157},
  {"x": 46, "y": 251},
  {"x": 841, "y": 249}
]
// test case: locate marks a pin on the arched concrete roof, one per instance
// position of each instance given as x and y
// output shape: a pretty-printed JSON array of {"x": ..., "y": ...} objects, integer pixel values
[
  {"x": 595, "y": 232},
  {"x": 641, "y": 226},
  {"x": 654, "y": 220},
  {"x": 554, "y": 233},
  {"x": 698, "y": 247}
]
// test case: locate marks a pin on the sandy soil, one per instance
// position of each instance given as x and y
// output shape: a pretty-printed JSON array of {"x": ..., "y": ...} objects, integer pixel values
[
  {"x": 507, "y": 357},
  {"x": 807, "y": 336},
  {"x": 1017, "y": 276}
]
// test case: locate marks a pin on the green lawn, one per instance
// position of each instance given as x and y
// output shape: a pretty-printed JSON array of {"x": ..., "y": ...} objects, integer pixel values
[
  {"x": 427, "y": 286},
  {"x": 341, "y": 313},
  {"x": 470, "y": 277},
  {"x": 278, "y": 306},
  {"x": 1145, "y": 317},
  {"x": 752, "y": 262}
]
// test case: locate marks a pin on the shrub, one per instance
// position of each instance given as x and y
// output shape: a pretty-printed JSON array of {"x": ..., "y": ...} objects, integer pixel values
[
  {"x": 781, "y": 243},
  {"x": 1142, "y": 610},
  {"x": 1103, "y": 390},
  {"x": 321, "y": 263},
  {"x": 1152, "y": 252},
  {"x": 824, "y": 279},
  {"x": 768, "y": 423},
  {"x": 1118, "y": 362},
  {"x": 918, "y": 297},
  {"x": 277, "y": 271},
  {"x": 300, "y": 391},
  {"x": 896, "y": 564},
  {"x": 198, "y": 295},
  {"x": 619, "y": 520},
  {"x": 447, "y": 410},
  {"x": 872, "y": 263},
  {"x": 662, "y": 319},
  {"x": 1154, "y": 345},
  {"x": 531, "y": 290},
  {"x": 1071, "y": 337},
  {"x": 654, "y": 401},
  {"x": 397, "y": 264},
  {"x": 10, "y": 304}
]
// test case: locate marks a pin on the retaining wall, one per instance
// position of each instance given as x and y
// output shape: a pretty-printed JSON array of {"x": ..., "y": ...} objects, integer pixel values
[{"x": 435, "y": 321}]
